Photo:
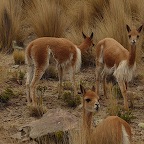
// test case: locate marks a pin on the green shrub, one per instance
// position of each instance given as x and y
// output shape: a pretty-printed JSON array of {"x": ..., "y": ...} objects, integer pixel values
[
  {"x": 6, "y": 95},
  {"x": 70, "y": 100},
  {"x": 67, "y": 86},
  {"x": 126, "y": 115}
]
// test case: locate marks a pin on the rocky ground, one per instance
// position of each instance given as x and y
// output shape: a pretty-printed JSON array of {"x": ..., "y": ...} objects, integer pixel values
[{"x": 15, "y": 113}]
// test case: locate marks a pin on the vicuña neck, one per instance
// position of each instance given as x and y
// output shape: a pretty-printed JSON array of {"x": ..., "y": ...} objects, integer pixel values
[
  {"x": 87, "y": 119},
  {"x": 132, "y": 55},
  {"x": 84, "y": 45}
]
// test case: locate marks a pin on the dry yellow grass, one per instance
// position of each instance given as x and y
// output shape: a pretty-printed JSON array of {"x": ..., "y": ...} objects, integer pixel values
[
  {"x": 46, "y": 18},
  {"x": 10, "y": 22},
  {"x": 19, "y": 56}
]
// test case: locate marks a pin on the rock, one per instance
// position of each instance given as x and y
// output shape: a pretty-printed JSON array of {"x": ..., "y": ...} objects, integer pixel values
[
  {"x": 15, "y": 66},
  {"x": 141, "y": 125},
  {"x": 52, "y": 127},
  {"x": 140, "y": 88}
]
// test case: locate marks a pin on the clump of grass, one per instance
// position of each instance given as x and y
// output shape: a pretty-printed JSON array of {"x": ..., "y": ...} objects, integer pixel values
[
  {"x": 67, "y": 86},
  {"x": 51, "y": 72},
  {"x": 59, "y": 135},
  {"x": 19, "y": 56},
  {"x": 116, "y": 91},
  {"x": 126, "y": 115},
  {"x": 47, "y": 18},
  {"x": 88, "y": 59},
  {"x": 17, "y": 76},
  {"x": 114, "y": 109},
  {"x": 10, "y": 23},
  {"x": 39, "y": 109},
  {"x": 70, "y": 100},
  {"x": 6, "y": 95}
]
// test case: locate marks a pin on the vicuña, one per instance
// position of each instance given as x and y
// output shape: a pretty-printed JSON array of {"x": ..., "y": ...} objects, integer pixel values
[
  {"x": 113, "y": 58},
  {"x": 112, "y": 130},
  {"x": 66, "y": 54}
]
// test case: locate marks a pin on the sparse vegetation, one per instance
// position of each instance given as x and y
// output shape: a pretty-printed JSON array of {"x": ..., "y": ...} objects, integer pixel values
[
  {"x": 70, "y": 100},
  {"x": 23, "y": 20},
  {"x": 126, "y": 115},
  {"x": 19, "y": 56},
  {"x": 116, "y": 91},
  {"x": 6, "y": 95},
  {"x": 67, "y": 85},
  {"x": 51, "y": 73},
  {"x": 37, "y": 111},
  {"x": 17, "y": 76}
]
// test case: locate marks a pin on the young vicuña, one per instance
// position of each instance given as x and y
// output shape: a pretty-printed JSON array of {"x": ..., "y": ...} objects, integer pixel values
[
  {"x": 112, "y": 130},
  {"x": 113, "y": 58},
  {"x": 66, "y": 54}
]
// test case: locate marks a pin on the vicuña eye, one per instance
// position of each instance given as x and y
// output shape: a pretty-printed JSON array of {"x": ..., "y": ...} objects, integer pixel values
[
  {"x": 129, "y": 36},
  {"x": 87, "y": 100},
  {"x": 138, "y": 36}
]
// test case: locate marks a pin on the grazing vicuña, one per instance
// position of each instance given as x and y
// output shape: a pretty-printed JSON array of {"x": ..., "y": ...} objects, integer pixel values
[{"x": 66, "y": 54}]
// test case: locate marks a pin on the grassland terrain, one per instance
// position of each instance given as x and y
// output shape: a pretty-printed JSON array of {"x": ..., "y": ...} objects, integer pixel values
[
  {"x": 15, "y": 112},
  {"x": 21, "y": 21}
]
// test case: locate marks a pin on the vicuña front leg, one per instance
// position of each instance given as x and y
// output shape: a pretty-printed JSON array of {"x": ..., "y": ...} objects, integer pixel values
[
  {"x": 98, "y": 75},
  {"x": 105, "y": 86},
  {"x": 124, "y": 93}
]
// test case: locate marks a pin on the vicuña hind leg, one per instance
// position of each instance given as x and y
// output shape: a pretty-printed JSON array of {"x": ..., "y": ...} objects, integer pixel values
[
  {"x": 28, "y": 81},
  {"x": 60, "y": 74},
  {"x": 73, "y": 81},
  {"x": 37, "y": 76},
  {"x": 124, "y": 93}
]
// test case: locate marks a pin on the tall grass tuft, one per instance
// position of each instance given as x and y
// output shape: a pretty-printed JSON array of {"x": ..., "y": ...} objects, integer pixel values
[
  {"x": 19, "y": 56},
  {"x": 10, "y": 22},
  {"x": 47, "y": 18}
]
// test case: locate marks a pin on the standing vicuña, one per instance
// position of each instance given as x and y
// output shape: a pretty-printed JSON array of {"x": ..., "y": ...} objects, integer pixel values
[
  {"x": 66, "y": 54},
  {"x": 113, "y": 58},
  {"x": 112, "y": 130}
]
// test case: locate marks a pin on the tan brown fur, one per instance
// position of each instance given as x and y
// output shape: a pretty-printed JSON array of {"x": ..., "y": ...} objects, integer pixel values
[
  {"x": 66, "y": 54},
  {"x": 113, "y": 58},
  {"x": 112, "y": 130}
]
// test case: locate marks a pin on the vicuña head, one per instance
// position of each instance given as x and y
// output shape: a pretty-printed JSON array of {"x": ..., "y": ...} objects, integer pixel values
[
  {"x": 66, "y": 54},
  {"x": 112, "y": 130},
  {"x": 133, "y": 34},
  {"x": 90, "y": 99},
  {"x": 113, "y": 58}
]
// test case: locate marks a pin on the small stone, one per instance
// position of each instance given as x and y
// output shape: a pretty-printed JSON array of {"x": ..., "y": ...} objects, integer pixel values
[
  {"x": 141, "y": 125},
  {"x": 15, "y": 66}
]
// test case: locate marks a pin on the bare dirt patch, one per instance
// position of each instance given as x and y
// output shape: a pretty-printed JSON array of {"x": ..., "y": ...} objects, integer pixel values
[{"x": 15, "y": 113}]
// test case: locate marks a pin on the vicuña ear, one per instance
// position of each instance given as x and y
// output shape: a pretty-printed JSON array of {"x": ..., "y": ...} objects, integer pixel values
[
  {"x": 93, "y": 88},
  {"x": 91, "y": 35},
  {"x": 83, "y": 91},
  {"x": 140, "y": 28},
  {"x": 84, "y": 36},
  {"x": 128, "y": 28}
]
